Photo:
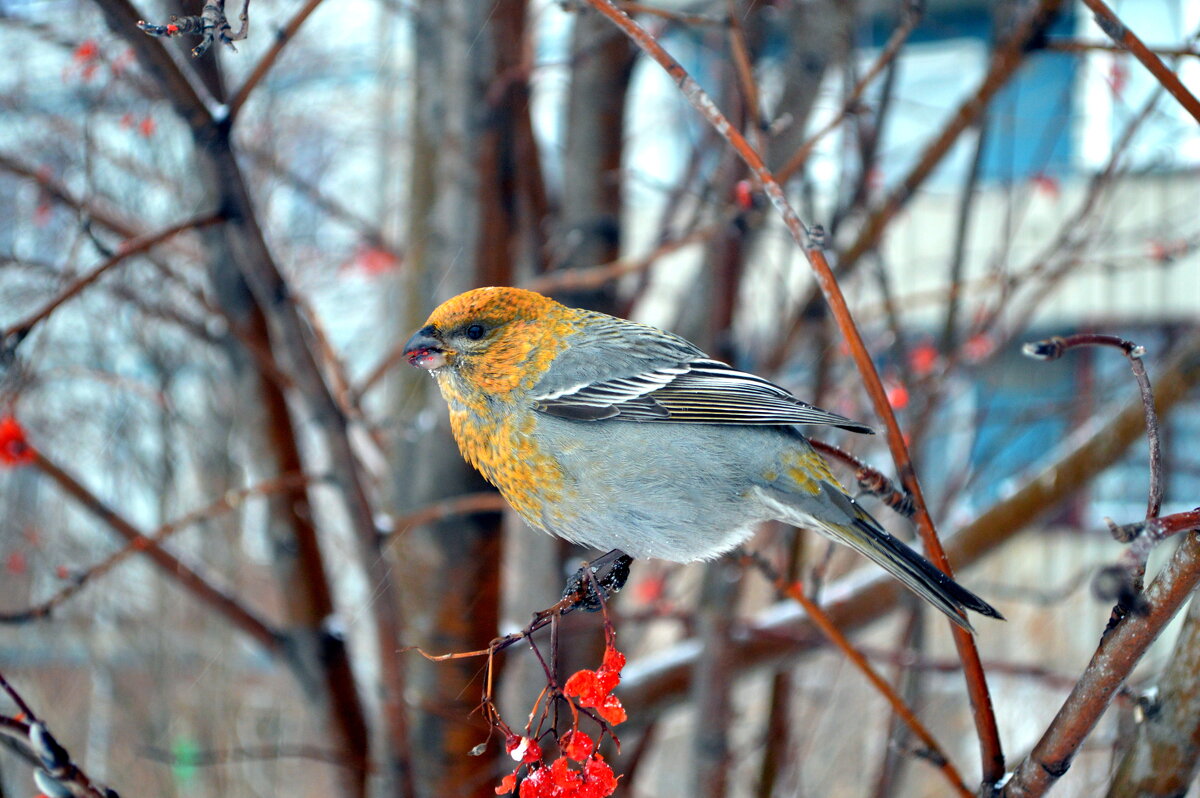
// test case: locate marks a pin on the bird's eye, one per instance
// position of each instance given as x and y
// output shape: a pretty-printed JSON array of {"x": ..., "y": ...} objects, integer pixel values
[{"x": 475, "y": 332}]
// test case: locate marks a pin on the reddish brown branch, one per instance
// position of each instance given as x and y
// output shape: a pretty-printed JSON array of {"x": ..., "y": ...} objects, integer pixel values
[
  {"x": 1120, "y": 33},
  {"x": 1054, "y": 348},
  {"x": 744, "y": 69},
  {"x": 1119, "y": 651},
  {"x": 1122, "y": 582},
  {"x": 268, "y": 60},
  {"x": 17, "y": 699},
  {"x": 934, "y": 752},
  {"x": 1158, "y": 528},
  {"x": 589, "y": 591},
  {"x": 224, "y": 604},
  {"x": 985, "y": 720},
  {"x": 81, "y": 579},
  {"x": 870, "y": 480}
]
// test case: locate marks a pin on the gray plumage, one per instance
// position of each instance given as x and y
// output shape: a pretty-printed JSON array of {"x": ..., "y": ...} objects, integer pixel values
[{"x": 628, "y": 437}]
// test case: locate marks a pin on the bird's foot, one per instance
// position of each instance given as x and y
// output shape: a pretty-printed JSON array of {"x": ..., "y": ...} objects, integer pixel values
[{"x": 606, "y": 573}]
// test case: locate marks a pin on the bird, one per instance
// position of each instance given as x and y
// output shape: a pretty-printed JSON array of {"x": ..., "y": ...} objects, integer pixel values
[{"x": 618, "y": 435}]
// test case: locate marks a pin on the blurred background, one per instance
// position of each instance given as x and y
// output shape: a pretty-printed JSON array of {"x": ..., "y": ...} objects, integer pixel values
[{"x": 207, "y": 265}]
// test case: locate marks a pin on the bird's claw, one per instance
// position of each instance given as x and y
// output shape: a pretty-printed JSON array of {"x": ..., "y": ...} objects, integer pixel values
[{"x": 607, "y": 574}]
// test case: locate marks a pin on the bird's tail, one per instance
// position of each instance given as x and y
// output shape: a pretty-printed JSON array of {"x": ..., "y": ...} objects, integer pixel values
[{"x": 863, "y": 533}]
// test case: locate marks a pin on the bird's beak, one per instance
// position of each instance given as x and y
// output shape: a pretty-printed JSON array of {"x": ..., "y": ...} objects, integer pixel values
[{"x": 424, "y": 350}]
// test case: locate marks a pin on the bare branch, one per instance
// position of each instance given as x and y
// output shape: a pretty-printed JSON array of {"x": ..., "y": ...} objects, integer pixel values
[
  {"x": 1120, "y": 650},
  {"x": 933, "y": 751},
  {"x": 1120, "y": 33},
  {"x": 851, "y": 105},
  {"x": 1123, "y": 582},
  {"x": 79, "y": 579},
  {"x": 136, "y": 246},
  {"x": 1053, "y": 348},
  {"x": 1005, "y": 61},
  {"x": 220, "y": 601},
  {"x": 1081, "y": 46},
  {"x": 282, "y": 37}
]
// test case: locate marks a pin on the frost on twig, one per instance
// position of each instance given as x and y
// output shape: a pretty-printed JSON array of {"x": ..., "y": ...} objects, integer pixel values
[{"x": 211, "y": 24}]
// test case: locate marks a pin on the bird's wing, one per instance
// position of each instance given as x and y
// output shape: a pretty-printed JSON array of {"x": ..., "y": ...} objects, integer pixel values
[{"x": 692, "y": 391}]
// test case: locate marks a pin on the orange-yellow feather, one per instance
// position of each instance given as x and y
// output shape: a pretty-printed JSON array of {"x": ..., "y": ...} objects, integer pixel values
[
  {"x": 531, "y": 331},
  {"x": 485, "y": 391}
]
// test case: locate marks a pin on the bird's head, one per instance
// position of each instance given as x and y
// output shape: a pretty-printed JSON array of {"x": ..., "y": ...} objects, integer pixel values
[{"x": 488, "y": 333}]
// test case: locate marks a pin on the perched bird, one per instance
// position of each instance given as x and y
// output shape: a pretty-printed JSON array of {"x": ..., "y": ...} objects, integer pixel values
[{"x": 617, "y": 435}]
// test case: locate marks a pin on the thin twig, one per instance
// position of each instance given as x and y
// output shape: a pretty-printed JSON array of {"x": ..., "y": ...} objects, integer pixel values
[
  {"x": 79, "y": 579},
  {"x": 740, "y": 52},
  {"x": 211, "y": 25},
  {"x": 1005, "y": 61},
  {"x": 870, "y": 480},
  {"x": 582, "y": 596},
  {"x": 25, "y": 709},
  {"x": 934, "y": 752},
  {"x": 966, "y": 203},
  {"x": 469, "y": 504},
  {"x": 127, "y": 249},
  {"x": 985, "y": 720},
  {"x": 282, "y": 37},
  {"x": 912, "y": 15},
  {"x": 226, "y": 605},
  {"x": 591, "y": 277},
  {"x": 1119, "y": 651},
  {"x": 1081, "y": 46},
  {"x": 591, "y": 587},
  {"x": 1054, "y": 348}
]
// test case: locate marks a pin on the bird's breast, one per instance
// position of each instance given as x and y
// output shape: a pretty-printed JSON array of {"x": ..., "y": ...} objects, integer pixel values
[{"x": 504, "y": 447}]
